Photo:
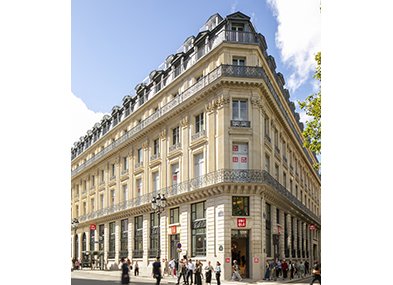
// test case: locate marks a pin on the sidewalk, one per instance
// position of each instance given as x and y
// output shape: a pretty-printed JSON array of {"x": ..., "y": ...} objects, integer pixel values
[{"x": 115, "y": 275}]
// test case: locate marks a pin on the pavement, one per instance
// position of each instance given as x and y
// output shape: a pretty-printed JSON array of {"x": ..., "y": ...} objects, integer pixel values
[{"x": 115, "y": 275}]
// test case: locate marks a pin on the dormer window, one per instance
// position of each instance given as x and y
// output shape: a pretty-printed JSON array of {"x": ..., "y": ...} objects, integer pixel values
[{"x": 238, "y": 27}]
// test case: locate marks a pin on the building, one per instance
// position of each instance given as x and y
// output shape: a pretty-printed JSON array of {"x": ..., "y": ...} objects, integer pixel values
[{"x": 214, "y": 131}]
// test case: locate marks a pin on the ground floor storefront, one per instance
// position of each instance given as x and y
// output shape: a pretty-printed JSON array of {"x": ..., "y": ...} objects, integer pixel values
[{"x": 249, "y": 223}]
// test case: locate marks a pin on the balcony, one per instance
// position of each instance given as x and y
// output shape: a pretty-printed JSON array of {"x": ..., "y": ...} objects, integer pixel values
[
  {"x": 198, "y": 135},
  {"x": 154, "y": 157},
  {"x": 240, "y": 124},
  {"x": 137, "y": 253},
  {"x": 138, "y": 164},
  {"x": 210, "y": 179},
  {"x": 174, "y": 147}
]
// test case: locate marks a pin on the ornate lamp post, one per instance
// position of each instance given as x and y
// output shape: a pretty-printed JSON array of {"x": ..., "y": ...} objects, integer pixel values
[
  {"x": 158, "y": 204},
  {"x": 74, "y": 226}
]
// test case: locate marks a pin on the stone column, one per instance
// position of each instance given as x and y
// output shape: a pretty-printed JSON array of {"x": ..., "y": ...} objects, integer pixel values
[
  {"x": 117, "y": 240},
  {"x": 185, "y": 227},
  {"x": 163, "y": 235},
  {"x": 290, "y": 242},
  {"x": 130, "y": 237},
  {"x": 210, "y": 229},
  {"x": 106, "y": 244},
  {"x": 187, "y": 165},
  {"x": 256, "y": 264},
  {"x": 282, "y": 235},
  {"x": 295, "y": 235},
  {"x": 211, "y": 134},
  {"x": 257, "y": 141},
  {"x": 146, "y": 245}
]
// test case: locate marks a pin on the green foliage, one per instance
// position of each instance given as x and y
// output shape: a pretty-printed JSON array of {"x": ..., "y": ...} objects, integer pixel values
[{"x": 312, "y": 107}]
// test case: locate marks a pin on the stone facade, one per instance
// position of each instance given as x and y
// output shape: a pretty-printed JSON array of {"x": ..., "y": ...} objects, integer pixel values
[{"x": 216, "y": 124}]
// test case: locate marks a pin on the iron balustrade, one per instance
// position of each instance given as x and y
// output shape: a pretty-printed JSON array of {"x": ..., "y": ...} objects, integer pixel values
[
  {"x": 240, "y": 124},
  {"x": 154, "y": 156},
  {"x": 209, "y": 179},
  {"x": 136, "y": 253},
  {"x": 198, "y": 135},
  {"x": 174, "y": 147}
]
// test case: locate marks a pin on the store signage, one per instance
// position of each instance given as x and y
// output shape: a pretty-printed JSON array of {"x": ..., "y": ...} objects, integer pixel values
[
  {"x": 93, "y": 227},
  {"x": 312, "y": 227},
  {"x": 173, "y": 230},
  {"x": 256, "y": 259},
  {"x": 241, "y": 222},
  {"x": 227, "y": 260}
]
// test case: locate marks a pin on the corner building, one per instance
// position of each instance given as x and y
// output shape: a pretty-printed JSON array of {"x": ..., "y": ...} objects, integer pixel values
[{"x": 213, "y": 130}]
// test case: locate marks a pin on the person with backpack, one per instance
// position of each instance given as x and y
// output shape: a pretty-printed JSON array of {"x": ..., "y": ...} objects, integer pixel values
[{"x": 235, "y": 271}]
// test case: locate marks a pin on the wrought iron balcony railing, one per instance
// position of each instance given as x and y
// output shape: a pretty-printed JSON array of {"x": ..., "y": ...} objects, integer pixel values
[
  {"x": 136, "y": 253},
  {"x": 240, "y": 124},
  {"x": 209, "y": 179},
  {"x": 198, "y": 135}
]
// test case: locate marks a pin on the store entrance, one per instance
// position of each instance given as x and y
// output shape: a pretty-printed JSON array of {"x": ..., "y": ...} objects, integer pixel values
[
  {"x": 173, "y": 241},
  {"x": 240, "y": 251}
]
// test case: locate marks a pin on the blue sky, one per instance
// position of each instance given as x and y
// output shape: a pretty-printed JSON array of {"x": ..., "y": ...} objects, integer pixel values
[{"x": 116, "y": 44}]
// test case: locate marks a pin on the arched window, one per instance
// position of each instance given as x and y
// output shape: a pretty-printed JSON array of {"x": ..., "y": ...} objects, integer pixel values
[{"x": 84, "y": 242}]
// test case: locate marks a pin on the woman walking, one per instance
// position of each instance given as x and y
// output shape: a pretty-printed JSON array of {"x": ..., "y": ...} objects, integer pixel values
[
  {"x": 218, "y": 272},
  {"x": 125, "y": 277},
  {"x": 208, "y": 273},
  {"x": 198, "y": 273}
]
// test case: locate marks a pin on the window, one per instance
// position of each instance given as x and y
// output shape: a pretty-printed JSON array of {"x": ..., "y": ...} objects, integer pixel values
[
  {"x": 276, "y": 140},
  {"x": 268, "y": 237},
  {"x": 138, "y": 237},
  {"x": 240, "y": 206},
  {"x": 102, "y": 175},
  {"x": 112, "y": 239},
  {"x": 92, "y": 239},
  {"x": 239, "y": 110},
  {"x": 140, "y": 155},
  {"x": 175, "y": 173},
  {"x": 112, "y": 170},
  {"x": 284, "y": 150},
  {"x": 124, "y": 238},
  {"x": 240, "y": 155},
  {"x": 286, "y": 243},
  {"x": 278, "y": 215},
  {"x": 125, "y": 192},
  {"x": 198, "y": 229},
  {"x": 156, "y": 182},
  {"x": 101, "y": 201},
  {"x": 101, "y": 236},
  {"x": 237, "y": 27},
  {"x": 176, "y": 136},
  {"x": 113, "y": 197},
  {"x": 296, "y": 193},
  {"x": 92, "y": 181},
  {"x": 156, "y": 147},
  {"x": 276, "y": 172},
  {"x": 138, "y": 187},
  {"x": 290, "y": 185},
  {"x": 199, "y": 125},
  {"x": 154, "y": 228},
  {"x": 267, "y": 127},
  {"x": 174, "y": 216},
  {"x": 284, "y": 179},
  {"x": 92, "y": 204},
  {"x": 125, "y": 163},
  {"x": 84, "y": 208},
  {"x": 241, "y": 61},
  {"x": 267, "y": 163},
  {"x": 198, "y": 165}
]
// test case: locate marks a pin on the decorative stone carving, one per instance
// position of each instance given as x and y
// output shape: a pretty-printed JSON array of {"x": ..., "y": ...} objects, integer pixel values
[
  {"x": 184, "y": 122},
  {"x": 145, "y": 144},
  {"x": 163, "y": 134}
]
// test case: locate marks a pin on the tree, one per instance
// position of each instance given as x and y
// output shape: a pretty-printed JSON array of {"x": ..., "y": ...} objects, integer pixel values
[{"x": 312, "y": 106}]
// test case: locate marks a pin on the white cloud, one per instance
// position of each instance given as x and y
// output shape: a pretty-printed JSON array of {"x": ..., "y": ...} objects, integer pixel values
[
  {"x": 82, "y": 118},
  {"x": 298, "y": 37}
]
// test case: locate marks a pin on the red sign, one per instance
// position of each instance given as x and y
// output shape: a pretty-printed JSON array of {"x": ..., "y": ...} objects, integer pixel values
[
  {"x": 244, "y": 159},
  {"x": 235, "y": 148},
  {"x": 312, "y": 227},
  {"x": 173, "y": 230},
  {"x": 241, "y": 222},
  {"x": 227, "y": 260},
  {"x": 93, "y": 227},
  {"x": 256, "y": 259},
  {"x": 235, "y": 159}
]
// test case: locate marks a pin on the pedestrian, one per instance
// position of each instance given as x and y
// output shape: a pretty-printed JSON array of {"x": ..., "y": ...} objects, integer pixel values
[
  {"x": 129, "y": 263},
  {"x": 181, "y": 271},
  {"x": 284, "y": 267},
  {"x": 218, "y": 272},
  {"x": 208, "y": 273},
  {"x": 291, "y": 269},
  {"x": 166, "y": 267},
  {"x": 136, "y": 269},
  {"x": 198, "y": 273},
  {"x": 125, "y": 276},
  {"x": 278, "y": 268},
  {"x": 267, "y": 270},
  {"x": 235, "y": 271},
  {"x": 157, "y": 270},
  {"x": 316, "y": 271},
  {"x": 190, "y": 272},
  {"x": 306, "y": 267},
  {"x": 172, "y": 265},
  {"x": 301, "y": 269}
]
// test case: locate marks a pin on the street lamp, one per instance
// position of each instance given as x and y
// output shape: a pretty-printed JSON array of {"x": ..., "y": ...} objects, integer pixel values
[
  {"x": 158, "y": 204},
  {"x": 74, "y": 226}
]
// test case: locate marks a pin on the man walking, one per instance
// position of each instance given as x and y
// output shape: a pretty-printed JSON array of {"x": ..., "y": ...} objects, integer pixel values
[
  {"x": 181, "y": 272},
  {"x": 316, "y": 271},
  {"x": 190, "y": 271}
]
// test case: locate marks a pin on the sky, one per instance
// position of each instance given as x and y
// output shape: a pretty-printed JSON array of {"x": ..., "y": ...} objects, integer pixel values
[{"x": 116, "y": 44}]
